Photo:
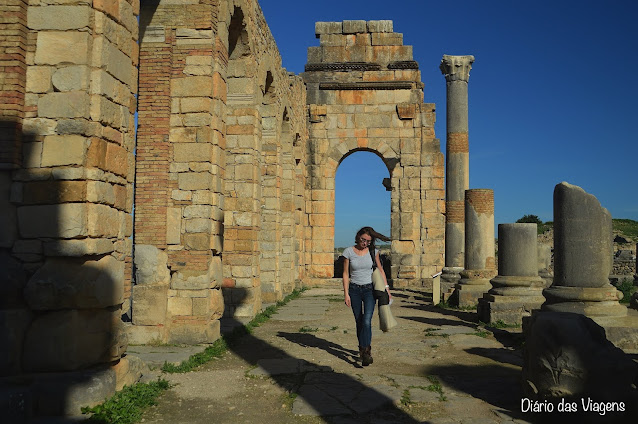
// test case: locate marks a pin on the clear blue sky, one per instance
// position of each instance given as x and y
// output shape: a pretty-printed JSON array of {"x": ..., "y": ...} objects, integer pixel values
[{"x": 552, "y": 96}]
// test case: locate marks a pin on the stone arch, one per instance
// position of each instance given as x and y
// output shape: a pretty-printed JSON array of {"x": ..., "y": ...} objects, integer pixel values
[
  {"x": 238, "y": 39},
  {"x": 371, "y": 98}
]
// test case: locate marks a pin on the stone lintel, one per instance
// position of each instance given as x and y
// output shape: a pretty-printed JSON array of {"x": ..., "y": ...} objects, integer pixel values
[{"x": 456, "y": 68}]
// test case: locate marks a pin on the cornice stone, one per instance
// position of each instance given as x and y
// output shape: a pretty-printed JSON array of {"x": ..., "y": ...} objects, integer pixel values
[
  {"x": 342, "y": 67},
  {"x": 403, "y": 64},
  {"x": 373, "y": 85}
]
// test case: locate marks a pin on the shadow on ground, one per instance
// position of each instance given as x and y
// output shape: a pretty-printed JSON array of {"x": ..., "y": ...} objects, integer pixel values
[{"x": 334, "y": 396}]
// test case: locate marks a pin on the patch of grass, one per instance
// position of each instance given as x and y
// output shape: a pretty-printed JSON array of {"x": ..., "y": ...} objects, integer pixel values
[
  {"x": 334, "y": 328},
  {"x": 221, "y": 345},
  {"x": 628, "y": 227},
  {"x": 289, "y": 399},
  {"x": 305, "y": 329},
  {"x": 482, "y": 333},
  {"x": 127, "y": 405},
  {"x": 405, "y": 398},
  {"x": 432, "y": 332},
  {"x": 335, "y": 299},
  {"x": 628, "y": 289},
  {"x": 435, "y": 346},
  {"x": 447, "y": 305},
  {"x": 499, "y": 324},
  {"x": 436, "y": 387},
  {"x": 345, "y": 331}
]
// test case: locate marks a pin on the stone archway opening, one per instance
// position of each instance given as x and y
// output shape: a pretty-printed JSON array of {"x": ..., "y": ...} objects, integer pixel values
[{"x": 361, "y": 199}]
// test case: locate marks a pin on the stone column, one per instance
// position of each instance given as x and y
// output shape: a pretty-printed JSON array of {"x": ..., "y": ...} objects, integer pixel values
[
  {"x": 583, "y": 253},
  {"x": 517, "y": 287},
  {"x": 479, "y": 252},
  {"x": 457, "y": 174}
]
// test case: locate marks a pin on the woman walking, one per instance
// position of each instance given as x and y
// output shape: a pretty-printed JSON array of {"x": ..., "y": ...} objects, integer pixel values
[{"x": 357, "y": 285}]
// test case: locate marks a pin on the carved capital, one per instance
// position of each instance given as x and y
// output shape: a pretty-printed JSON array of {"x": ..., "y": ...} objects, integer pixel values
[{"x": 456, "y": 68}]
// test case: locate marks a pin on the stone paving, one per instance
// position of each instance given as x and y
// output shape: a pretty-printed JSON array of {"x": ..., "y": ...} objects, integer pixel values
[{"x": 302, "y": 366}]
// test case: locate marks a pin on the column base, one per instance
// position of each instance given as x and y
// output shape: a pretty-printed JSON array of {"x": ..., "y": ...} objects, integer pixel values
[
  {"x": 468, "y": 291},
  {"x": 588, "y": 301},
  {"x": 508, "y": 309}
]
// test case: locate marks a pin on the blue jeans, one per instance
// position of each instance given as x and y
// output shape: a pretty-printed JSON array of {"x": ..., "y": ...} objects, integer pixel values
[{"x": 362, "y": 302}]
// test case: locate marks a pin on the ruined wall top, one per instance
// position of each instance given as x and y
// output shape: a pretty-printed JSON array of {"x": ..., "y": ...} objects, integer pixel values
[
  {"x": 357, "y": 42},
  {"x": 352, "y": 27}
]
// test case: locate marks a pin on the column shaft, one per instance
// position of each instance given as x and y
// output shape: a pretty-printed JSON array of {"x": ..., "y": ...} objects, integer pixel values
[{"x": 457, "y": 72}]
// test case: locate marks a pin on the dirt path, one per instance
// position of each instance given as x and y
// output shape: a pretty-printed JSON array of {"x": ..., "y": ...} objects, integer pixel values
[{"x": 302, "y": 367}]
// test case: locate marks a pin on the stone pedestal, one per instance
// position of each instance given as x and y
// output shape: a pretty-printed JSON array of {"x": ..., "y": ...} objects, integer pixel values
[
  {"x": 479, "y": 252},
  {"x": 583, "y": 253},
  {"x": 457, "y": 176},
  {"x": 517, "y": 287}
]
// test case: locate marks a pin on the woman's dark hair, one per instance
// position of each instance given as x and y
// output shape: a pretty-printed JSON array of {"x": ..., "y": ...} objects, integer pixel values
[{"x": 373, "y": 235}]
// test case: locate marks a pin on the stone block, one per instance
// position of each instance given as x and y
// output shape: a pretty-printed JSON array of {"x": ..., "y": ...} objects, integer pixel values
[
  {"x": 128, "y": 371},
  {"x": 192, "y": 152},
  {"x": 103, "y": 221},
  {"x": 151, "y": 266},
  {"x": 116, "y": 159},
  {"x": 65, "y": 394},
  {"x": 78, "y": 248},
  {"x": 149, "y": 304},
  {"x": 328, "y": 28},
  {"x": 192, "y": 86},
  {"x": 58, "y": 17},
  {"x": 216, "y": 306},
  {"x": 380, "y": 26},
  {"x": 173, "y": 225},
  {"x": 387, "y": 39},
  {"x": 146, "y": 334},
  {"x": 39, "y": 79},
  {"x": 76, "y": 284},
  {"x": 100, "y": 192},
  {"x": 60, "y": 47},
  {"x": 191, "y": 280},
  {"x": 195, "y": 181},
  {"x": 194, "y": 332},
  {"x": 68, "y": 220},
  {"x": 197, "y": 241},
  {"x": 71, "y": 78},
  {"x": 72, "y": 104},
  {"x": 179, "y": 306},
  {"x": 60, "y": 150},
  {"x": 354, "y": 27},
  {"x": 73, "y": 339},
  {"x": 107, "y": 55}
]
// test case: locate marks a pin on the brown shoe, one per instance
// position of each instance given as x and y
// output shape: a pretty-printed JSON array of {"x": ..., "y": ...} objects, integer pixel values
[{"x": 366, "y": 356}]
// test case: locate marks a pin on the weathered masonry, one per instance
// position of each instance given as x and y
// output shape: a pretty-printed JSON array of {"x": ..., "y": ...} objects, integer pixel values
[
  {"x": 231, "y": 171},
  {"x": 365, "y": 92}
]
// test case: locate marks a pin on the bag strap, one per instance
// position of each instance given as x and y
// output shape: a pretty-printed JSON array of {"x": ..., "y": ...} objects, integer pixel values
[{"x": 372, "y": 255}]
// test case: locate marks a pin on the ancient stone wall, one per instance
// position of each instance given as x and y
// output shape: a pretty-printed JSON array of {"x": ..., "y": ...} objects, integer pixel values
[
  {"x": 220, "y": 171},
  {"x": 365, "y": 93},
  {"x": 70, "y": 90}
]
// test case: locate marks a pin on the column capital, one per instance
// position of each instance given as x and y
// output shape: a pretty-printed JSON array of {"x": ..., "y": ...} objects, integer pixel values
[{"x": 456, "y": 68}]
